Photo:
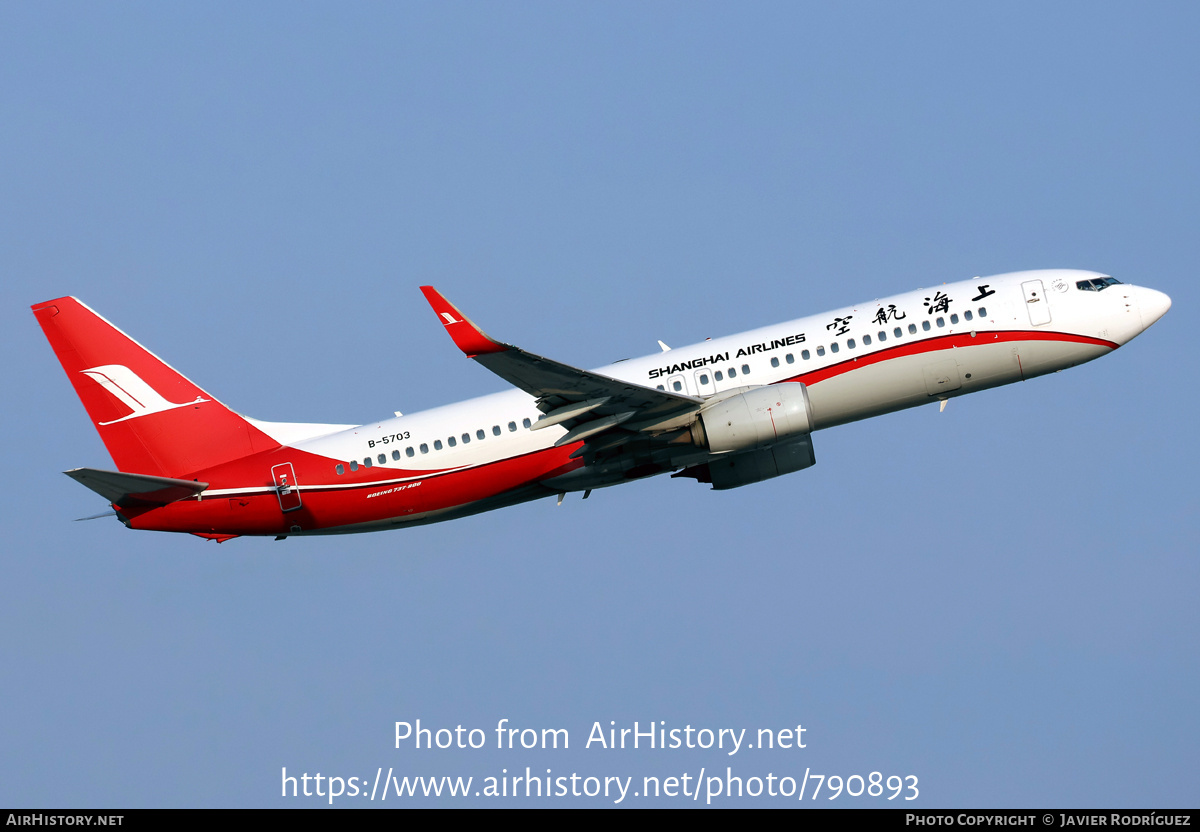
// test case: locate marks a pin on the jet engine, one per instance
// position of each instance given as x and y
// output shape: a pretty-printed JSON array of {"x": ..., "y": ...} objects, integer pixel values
[
  {"x": 758, "y": 418},
  {"x": 759, "y": 434}
]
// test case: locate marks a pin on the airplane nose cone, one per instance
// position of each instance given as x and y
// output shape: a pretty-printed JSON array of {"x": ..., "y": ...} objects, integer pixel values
[{"x": 1153, "y": 305}]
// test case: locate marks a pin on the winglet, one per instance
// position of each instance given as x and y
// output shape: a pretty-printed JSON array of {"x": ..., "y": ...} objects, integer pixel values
[{"x": 467, "y": 337}]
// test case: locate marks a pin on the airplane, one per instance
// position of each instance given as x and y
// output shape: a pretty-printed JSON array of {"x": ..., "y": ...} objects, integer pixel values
[{"x": 727, "y": 412}]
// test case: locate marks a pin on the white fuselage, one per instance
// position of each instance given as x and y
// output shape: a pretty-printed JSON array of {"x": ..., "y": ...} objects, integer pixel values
[
  {"x": 853, "y": 368},
  {"x": 727, "y": 411}
]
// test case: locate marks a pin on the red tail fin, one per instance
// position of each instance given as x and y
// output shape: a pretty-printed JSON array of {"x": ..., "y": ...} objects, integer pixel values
[{"x": 151, "y": 418}]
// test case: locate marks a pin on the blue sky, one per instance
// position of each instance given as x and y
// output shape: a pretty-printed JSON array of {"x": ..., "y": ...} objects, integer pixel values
[{"x": 998, "y": 599}]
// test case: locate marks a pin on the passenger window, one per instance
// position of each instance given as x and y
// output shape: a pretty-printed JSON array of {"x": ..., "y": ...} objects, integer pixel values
[
  {"x": 409, "y": 451},
  {"x": 479, "y": 434},
  {"x": 660, "y": 387},
  {"x": 452, "y": 441},
  {"x": 967, "y": 315},
  {"x": 745, "y": 369},
  {"x": 732, "y": 373},
  {"x": 912, "y": 328},
  {"x": 898, "y": 332},
  {"x": 882, "y": 335},
  {"x": 437, "y": 444},
  {"x": 791, "y": 359},
  {"x": 704, "y": 378},
  {"x": 424, "y": 448},
  {"x": 805, "y": 354},
  {"x": 983, "y": 311},
  {"x": 341, "y": 469},
  {"x": 774, "y": 361},
  {"x": 381, "y": 459},
  {"x": 820, "y": 350},
  {"x": 367, "y": 462},
  {"x": 718, "y": 376},
  {"x": 526, "y": 422},
  {"x": 354, "y": 465},
  {"x": 676, "y": 386},
  {"x": 466, "y": 437},
  {"x": 954, "y": 318},
  {"x": 925, "y": 325},
  {"x": 396, "y": 455},
  {"x": 512, "y": 427},
  {"x": 866, "y": 340},
  {"x": 834, "y": 347},
  {"x": 941, "y": 321},
  {"x": 850, "y": 344},
  {"x": 495, "y": 430}
]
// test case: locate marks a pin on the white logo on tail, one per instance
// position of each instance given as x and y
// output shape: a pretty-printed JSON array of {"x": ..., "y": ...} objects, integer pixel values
[
  {"x": 449, "y": 318},
  {"x": 130, "y": 390}
]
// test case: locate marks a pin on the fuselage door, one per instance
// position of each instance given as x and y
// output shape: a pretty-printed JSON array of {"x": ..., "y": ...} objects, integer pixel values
[
  {"x": 704, "y": 382},
  {"x": 285, "y": 486},
  {"x": 1035, "y": 302}
]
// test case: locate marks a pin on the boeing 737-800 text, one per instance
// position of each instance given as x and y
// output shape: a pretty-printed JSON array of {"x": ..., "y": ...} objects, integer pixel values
[{"x": 729, "y": 411}]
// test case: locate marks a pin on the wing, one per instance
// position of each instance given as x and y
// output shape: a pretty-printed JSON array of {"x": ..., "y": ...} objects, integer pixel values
[{"x": 591, "y": 406}]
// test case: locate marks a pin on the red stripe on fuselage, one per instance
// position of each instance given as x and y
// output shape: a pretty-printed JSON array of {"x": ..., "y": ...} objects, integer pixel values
[{"x": 943, "y": 342}]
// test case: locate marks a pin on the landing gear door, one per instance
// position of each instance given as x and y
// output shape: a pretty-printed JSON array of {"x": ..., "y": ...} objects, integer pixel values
[
  {"x": 1035, "y": 302},
  {"x": 285, "y": 486}
]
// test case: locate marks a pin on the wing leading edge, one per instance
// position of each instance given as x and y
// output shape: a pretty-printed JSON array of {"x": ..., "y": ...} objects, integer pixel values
[{"x": 594, "y": 407}]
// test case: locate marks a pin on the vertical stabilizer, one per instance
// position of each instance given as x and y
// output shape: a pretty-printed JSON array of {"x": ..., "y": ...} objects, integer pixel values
[{"x": 151, "y": 418}]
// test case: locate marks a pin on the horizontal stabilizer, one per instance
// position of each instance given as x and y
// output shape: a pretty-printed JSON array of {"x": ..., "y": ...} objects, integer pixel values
[
  {"x": 109, "y": 513},
  {"x": 127, "y": 490}
]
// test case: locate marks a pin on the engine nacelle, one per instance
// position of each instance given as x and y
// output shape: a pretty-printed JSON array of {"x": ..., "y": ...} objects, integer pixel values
[
  {"x": 759, "y": 434},
  {"x": 759, "y": 418},
  {"x": 736, "y": 470}
]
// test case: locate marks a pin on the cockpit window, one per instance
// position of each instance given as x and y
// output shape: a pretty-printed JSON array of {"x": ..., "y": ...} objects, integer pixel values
[{"x": 1098, "y": 284}]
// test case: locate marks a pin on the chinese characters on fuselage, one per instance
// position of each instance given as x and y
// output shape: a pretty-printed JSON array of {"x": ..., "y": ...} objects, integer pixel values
[{"x": 935, "y": 304}]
